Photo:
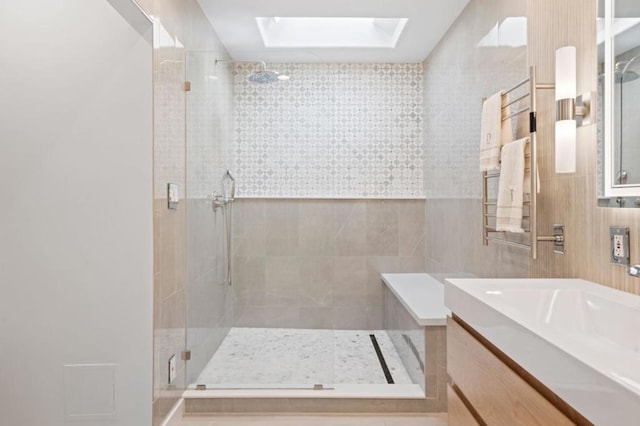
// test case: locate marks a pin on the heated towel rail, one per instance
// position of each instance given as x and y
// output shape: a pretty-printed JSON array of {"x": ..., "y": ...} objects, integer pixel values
[{"x": 489, "y": 233}]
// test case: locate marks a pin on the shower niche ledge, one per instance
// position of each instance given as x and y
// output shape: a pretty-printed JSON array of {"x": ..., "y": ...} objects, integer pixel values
[{"x": 548, "y": 349}]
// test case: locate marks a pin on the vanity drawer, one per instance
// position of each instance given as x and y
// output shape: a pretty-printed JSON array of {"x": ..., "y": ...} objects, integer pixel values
[
  {"x": 497, "y": 393},
  {"x": 459, "y": 414}
]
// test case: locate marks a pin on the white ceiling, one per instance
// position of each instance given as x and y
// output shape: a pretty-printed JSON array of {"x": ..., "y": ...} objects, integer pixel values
[{"x": 235, "y": 23}]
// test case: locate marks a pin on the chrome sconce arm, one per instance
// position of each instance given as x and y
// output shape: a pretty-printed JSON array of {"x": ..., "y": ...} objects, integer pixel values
[{"x": 578, "y": 109}]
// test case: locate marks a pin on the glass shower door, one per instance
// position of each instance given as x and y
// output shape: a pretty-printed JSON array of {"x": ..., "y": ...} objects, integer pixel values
[
  {"x": 264, "y": 347},
  {"x": 209, "y": 114}
]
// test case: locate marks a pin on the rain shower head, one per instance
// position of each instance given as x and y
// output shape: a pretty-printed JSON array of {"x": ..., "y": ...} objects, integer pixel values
[
  {"x": 627, "y": 76},
  {"x": 623, "y": 74},
  {"x": 261, "y": 76}
]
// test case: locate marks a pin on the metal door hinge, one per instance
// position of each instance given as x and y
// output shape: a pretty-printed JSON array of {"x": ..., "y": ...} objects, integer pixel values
[
  {"x": 187, "y": 86},
  {"x": 186, "y": 355}
]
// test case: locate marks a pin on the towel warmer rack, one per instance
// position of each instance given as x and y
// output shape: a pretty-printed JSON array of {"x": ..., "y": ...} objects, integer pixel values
[{"x": 489, "y": 231}]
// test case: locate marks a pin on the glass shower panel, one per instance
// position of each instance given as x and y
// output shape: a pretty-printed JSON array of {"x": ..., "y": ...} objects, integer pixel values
[
  {"x": 209, "y": 126},
  {"x": 224, "y": 355}
]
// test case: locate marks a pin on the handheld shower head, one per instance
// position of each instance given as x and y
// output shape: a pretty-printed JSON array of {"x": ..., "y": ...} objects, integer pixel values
[{"x": 229, "y": 186}]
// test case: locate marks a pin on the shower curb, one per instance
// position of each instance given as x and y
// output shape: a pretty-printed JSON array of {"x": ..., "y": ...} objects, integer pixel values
[{"x": 310, "y": 405}]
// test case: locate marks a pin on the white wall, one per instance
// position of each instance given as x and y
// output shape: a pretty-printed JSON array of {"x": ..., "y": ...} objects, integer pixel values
[{"x": 76, "y": 216}]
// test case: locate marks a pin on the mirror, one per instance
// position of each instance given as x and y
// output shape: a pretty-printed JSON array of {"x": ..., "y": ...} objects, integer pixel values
[{"x": 619, "y": 103}]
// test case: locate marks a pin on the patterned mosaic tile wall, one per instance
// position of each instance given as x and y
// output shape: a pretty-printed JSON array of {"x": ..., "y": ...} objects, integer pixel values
[
  {"x": 332, "y": 130},
  {"x": 209, "y": 123},
  {"x": 459, "y": 72}
]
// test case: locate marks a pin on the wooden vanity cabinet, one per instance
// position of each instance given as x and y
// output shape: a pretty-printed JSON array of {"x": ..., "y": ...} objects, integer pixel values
[{"x": 485, "y": 390}]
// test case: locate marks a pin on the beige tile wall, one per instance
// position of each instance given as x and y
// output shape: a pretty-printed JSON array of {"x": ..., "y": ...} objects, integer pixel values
[
  {"x": 169, "y": 225},
  {"x": 209, "y": 297},
  {"x": 317, "y": 263},
  {"x": 184, "y": 28},
  {"x": 458, "y": 74},
  {"x": 454, "y": 242}
]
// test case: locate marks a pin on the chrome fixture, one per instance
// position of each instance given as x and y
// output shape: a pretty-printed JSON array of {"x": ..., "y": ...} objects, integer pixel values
[
  {"x": 229, "y": 186},
  {"x": 634, "y": 271},
  {"x": 557, "y": 238},
  {"x": 229, "y": 189},
  {"x": 262, "y": 76},
  {"x": 218, "y": 201},
  {"x": 488, "y": 230},
  {"x": 225, "y": 201},
  {"x": 624, "y": 75},
  {"x": 621, "y": 75},
  {"x": 622, "y": 177}
]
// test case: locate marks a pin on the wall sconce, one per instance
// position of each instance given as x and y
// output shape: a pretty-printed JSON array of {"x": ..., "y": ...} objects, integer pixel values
[{"x": 571, "y": 111}]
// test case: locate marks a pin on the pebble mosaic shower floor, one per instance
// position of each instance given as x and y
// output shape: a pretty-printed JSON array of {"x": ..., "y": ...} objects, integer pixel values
[{"x": 277, "y": 357}]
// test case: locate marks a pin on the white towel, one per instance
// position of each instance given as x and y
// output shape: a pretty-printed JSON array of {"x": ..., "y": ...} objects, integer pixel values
[
  {"x": 494, "y": 132},
  {"x": 511, "y": 187}
]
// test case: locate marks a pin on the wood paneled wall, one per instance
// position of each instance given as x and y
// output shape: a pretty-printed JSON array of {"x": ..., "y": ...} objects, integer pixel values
[{"x": 571, "y": 199}]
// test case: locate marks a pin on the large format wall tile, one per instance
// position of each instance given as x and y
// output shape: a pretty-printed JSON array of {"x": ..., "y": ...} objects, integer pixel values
[
  {"x": 322, "y": 267},
  {"x": 467, "y": 65}
]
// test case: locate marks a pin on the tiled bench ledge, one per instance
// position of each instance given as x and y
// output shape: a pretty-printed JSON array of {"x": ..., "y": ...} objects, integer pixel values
[
  {"x": 415, "y": 318},
  {"x": 422, "y": 295}
]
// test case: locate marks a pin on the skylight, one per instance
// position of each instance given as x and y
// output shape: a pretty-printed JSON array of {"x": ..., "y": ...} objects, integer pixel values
[{"x": 330, "y": 32}]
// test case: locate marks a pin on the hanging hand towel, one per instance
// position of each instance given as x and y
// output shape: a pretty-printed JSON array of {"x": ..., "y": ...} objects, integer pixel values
[
  {"x": 511, "y": 187},
  {"x": 494, "y": 133}
]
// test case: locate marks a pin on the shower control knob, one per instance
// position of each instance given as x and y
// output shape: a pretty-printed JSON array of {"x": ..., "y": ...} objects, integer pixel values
[{"x": 217, "y": 201}]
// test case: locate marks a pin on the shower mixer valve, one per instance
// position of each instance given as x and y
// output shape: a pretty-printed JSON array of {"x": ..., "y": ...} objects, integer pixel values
[{"x": 218, "y": 201}]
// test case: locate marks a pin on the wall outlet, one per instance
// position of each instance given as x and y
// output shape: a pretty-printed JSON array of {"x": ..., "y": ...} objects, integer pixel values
[
  {"x": 172, "y": 368},
  {"x": 619, "y": 245}
]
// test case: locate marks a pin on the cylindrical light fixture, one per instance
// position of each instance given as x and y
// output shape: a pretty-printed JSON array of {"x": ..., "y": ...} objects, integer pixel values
[{"x": 565, "y": 110}]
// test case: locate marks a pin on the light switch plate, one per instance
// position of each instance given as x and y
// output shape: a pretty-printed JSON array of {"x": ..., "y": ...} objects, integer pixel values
[
  {"x": 619, "y": 237},
  {"x": 173, "y": 196},
  {"x": 172, "y": 368}
]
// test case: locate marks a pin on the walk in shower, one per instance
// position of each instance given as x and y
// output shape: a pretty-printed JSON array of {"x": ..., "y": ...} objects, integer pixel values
[{"x": 283, "y": 292}]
